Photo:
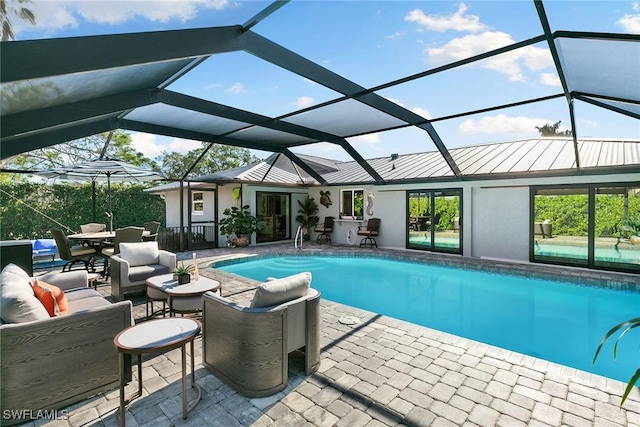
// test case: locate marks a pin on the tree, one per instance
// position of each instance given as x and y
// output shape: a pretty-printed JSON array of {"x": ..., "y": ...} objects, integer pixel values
[
  {"x": 219, "y": 158},
  {"x": 553, "y": 130},
  {"x": 15, "y": 8},
  {"x": 81, "y": 150}
]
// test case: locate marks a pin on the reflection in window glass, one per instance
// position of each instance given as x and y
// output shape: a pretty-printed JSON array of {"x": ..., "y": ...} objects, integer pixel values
[
  {"x": 617, "y": 225},
  {"x": 197, "y": 202},
  {"x": 351, "y": 204},
  {"x": 561, "y": 225},
  {"x": 434, "y": 220}
]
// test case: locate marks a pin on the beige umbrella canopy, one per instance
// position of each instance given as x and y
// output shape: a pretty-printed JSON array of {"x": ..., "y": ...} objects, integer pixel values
[{"x": 101, "y": 170}]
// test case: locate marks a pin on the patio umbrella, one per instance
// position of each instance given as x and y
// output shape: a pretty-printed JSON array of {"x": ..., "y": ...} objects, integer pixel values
[{"x": 102, "y": 170}]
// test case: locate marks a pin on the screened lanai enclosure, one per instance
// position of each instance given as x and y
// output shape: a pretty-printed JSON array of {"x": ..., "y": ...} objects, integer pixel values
[{"x": 420, "y": 122}]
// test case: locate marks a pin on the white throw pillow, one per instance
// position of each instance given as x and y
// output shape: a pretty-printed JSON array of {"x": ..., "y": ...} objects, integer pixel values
[
  {"x": 278, "y": 291},
  {"x": 18, "y": 303},
  {"x": 140, "y": 253}
]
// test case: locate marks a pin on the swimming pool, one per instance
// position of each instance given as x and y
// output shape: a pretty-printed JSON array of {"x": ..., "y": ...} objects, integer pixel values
[{"x": 556, "y": 321}]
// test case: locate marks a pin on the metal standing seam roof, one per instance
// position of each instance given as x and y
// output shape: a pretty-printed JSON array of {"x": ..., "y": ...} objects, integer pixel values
[
  {"x": 539, "y": 156},
  {"x": 58, "y": 90}
]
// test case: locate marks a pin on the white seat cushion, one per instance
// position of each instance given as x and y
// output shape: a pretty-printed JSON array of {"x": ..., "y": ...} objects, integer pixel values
[{"x": 277, "y": 291}]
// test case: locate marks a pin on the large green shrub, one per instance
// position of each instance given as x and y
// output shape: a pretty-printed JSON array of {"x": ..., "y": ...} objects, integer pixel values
[{"x": 29, "y": 210}]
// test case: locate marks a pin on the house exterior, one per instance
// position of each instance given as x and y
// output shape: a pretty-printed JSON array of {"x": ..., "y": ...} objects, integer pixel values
[{"x": 493, "y": 211}]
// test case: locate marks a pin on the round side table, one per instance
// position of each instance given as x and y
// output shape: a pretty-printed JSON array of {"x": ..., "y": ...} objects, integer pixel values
[{"x": 158, "y": 336}]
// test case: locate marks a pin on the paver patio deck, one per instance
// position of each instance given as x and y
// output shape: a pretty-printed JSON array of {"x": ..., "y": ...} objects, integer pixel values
[{"x": 378, "y": 372}]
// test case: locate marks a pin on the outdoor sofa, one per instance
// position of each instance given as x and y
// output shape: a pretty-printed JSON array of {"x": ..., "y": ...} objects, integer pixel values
[
  {"x": 247, "y": 337},
  {"x": 46, "y": 362}
]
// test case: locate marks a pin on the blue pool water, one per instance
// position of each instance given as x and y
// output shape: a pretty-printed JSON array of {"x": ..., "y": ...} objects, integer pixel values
[{"x": 559, "y": 322}]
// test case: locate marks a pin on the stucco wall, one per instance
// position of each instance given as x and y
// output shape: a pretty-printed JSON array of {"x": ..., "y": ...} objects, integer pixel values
[{"x": 494, "y": 221}]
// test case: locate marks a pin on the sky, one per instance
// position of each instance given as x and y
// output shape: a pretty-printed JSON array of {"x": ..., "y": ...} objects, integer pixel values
[{"x": 371, "y": 43}]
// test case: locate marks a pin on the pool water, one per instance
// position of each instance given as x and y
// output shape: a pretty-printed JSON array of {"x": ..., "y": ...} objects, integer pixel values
[{"x": 559, "y": 322}]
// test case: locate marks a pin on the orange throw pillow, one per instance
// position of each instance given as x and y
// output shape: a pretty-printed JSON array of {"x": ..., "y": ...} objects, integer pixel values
[{"x": 51, "y": 297}]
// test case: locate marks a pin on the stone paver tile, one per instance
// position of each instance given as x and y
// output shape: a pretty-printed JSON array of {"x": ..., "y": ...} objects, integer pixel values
[
  {"x": 506, "y": 377},
  {"x": 592, "y": 393},
  {"x": 513, "y": 411},
  {"x": 573, "y": 408},
  {"x": 355, "y": 418},
  {"x": 415, "y": 397},
  {"x": 419, "y": 417},
  {"x": 297, "y": 402},
  {"x": 320, "y": 417},
  {"x": 474, "y": 395},
  {"x": 339, "y": 408},
  {"x": 507, "y": 421},
  {"x": 449, "y": 412},
  {"x": 399, "y": 380},
  {"x": 611, "y": 412},
  {"x": 384, "y": 414},
  {"x": 442, "y": 392},
  {"x": 326, "y": 396},
  {"x": 533, "y": 394},
  {"x": 384, "y": 394},
  {"x": 443, "y": 422},
  {"x": 498, "y": 390},
  {"x": 454, "y": 379},
  {"x": 547, "y": 413},
  {"x": 484, "y": 416},
  {"x": 401, "y": 406}
]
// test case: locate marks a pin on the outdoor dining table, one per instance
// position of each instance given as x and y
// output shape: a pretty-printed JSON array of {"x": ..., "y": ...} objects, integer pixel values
[{"x": 98, "y": 239}]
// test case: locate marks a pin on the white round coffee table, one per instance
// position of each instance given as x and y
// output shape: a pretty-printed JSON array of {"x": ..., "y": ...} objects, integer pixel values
[
  {"x": 176, "y": 293},
  {"x": 158, "y": 336}
]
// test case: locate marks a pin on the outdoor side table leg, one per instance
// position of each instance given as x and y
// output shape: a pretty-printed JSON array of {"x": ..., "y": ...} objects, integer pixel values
[
  {"x": 185, "y": 408},
  {"x": 123, "y": 401}
]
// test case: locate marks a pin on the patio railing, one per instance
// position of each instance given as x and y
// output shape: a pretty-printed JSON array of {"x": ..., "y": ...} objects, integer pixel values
[{"x": 195, "y": 237}]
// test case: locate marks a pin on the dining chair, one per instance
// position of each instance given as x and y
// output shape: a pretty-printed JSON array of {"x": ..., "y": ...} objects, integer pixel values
[
  {"x": 73, "y": 254},
  {"x": 369, "y": 231},
  {"x": 125, "y": 234},
  {"x": 152, "y": 227}
]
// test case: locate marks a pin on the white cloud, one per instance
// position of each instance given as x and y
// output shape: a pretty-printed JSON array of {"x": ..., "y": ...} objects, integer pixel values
[
  {"x": 630, "y": 23},
  {"x": 550, "y": 79},
  {"x": 422, "y": 112},
  {"x": 502, "y": 125},
  {"x": 533, "y": 58},
  {"x": 55, "y": 15},
  {"x": 304, "y": 101},
  {"x": 152, "y": 145},
  {"x": 457, "y": 21},
  {"x": 236, "y": 88},
  {"x": 368, "y": 139},
  {"x": 396, "y": 35}
]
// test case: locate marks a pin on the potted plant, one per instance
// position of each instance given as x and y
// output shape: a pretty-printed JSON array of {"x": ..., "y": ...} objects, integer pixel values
[
  {"x": 182, "y": 273},
  {"x": 239, "y": 222},
  {"x": 307, "y": 216}
]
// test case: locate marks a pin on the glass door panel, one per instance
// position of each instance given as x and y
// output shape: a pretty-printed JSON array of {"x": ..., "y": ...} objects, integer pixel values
[
  {"x": 273, "y": 209},
  {"x": 418, "y": 232},
  {"x": 446, "y": 221},
  {"x": 561, "y": 225},
  {"x": 617, "y": 225}
]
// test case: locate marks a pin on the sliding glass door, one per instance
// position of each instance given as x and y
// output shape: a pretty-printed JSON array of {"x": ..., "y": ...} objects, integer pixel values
[
  {"x": 433, "y": 220},
  {"x": 273, "y": 209},
  {"x": 592, "y": 226}
]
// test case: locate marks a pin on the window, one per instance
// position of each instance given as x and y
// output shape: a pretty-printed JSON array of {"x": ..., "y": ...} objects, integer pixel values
[
  {"x": 197, "y": 203},
  {"x": 351, "y": 204},
  {"x": 591, "y": 226}
]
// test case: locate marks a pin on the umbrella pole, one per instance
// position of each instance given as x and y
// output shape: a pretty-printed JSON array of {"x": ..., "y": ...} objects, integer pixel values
[
  {"x": 109, "y": 196},
  {"x": 93, "y": 200}
]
